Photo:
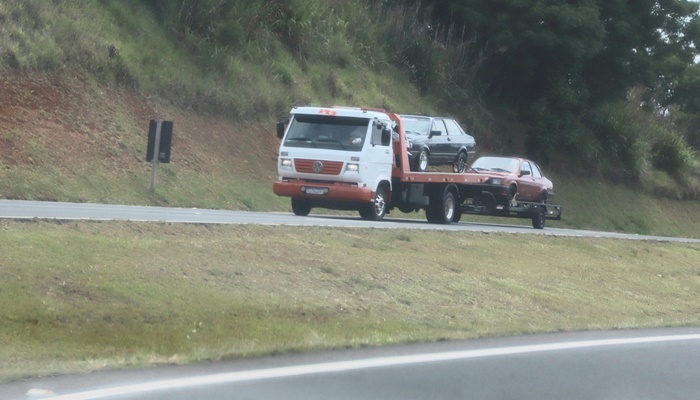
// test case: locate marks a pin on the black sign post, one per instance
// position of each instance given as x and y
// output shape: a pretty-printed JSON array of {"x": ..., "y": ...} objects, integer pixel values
[{"x": 160, "y": 135}]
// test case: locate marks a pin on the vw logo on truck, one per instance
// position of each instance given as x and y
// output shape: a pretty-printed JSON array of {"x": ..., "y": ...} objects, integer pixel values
[{"x": 317, "y": 167}]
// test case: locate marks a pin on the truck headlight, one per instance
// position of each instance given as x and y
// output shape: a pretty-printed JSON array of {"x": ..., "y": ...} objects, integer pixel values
[
  {"x": 286, "y": 163},
  {"x": 352, "y": 167},
  {"x": 409, "y": 144}
]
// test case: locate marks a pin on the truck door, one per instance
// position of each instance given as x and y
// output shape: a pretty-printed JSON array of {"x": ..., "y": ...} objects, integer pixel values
[{"x": 379, "y": 156}]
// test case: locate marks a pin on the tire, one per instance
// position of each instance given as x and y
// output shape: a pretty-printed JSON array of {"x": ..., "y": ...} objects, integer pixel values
[
  {"x": 376, "y": 210},
  {"x": 407, "y": 209},
  {"x": 300, "y": 207},
  {"x": 539, "y": 216},
  {"x": 422, "y": 160},
  {"x": 510, "y": 197},
  {"x": 457, "y": 216},
  {"x": 431, "y": 215},
  {"x": 512, "y": 192},
  {"x": 442, "y": 208},
  {"x": 460, "y": 165}
]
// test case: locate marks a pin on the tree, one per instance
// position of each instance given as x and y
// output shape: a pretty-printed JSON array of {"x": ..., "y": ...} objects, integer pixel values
[{"x": 565, "y": 58}]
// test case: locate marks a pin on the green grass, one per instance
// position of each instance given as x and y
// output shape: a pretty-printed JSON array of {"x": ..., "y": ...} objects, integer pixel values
[
  {"x": 601, "y": 205},
  {"x": 83, "y": 296}
]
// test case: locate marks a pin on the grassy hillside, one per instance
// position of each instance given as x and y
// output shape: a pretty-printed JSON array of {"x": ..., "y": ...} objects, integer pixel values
[{"x": 79, "y": 82}]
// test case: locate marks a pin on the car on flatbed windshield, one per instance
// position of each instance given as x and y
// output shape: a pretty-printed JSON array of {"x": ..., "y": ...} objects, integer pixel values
[
  {"x": 437, "y": 141},
  {"x": 515, "y": 178}
]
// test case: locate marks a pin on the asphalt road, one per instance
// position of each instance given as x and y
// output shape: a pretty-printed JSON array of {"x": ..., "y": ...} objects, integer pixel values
[
  {"x": 618, "y": 365},
  {"x": 19, "y": 209}
]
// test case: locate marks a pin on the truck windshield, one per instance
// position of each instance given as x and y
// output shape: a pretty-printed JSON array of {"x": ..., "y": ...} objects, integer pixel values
[{"x": 326, "y": 132}]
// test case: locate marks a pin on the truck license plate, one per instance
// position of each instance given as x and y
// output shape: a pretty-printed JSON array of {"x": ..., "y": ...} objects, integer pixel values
[{"x": 313, "y": 190}]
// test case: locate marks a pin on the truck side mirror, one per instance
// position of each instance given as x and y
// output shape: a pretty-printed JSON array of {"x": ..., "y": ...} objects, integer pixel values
[
  {"x": 524, "y": 173},
  {"x": 434, "y": 133},
  {"x": 378, "y": 134},
  {"x": 280, "y": 129},
  {"x": 386, "y": 137}
]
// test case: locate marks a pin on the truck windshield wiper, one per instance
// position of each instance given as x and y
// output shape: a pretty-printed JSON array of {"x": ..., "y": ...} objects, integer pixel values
[
  {"x": 499, "y": 170},
  {"x": 302, "y": 139},
  {"x": 327, "y": 140}
]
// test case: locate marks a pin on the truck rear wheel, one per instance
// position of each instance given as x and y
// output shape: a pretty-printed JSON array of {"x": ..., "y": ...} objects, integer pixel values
[
  {"x": 457, "y": 216},
  {"x": 375, "y": 211},
  {"x": 442, "y": 208},
  {"x": 300, "y": 207}
]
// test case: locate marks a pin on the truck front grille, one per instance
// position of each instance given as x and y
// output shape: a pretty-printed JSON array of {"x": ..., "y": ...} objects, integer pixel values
[{"x": 318, "y": 167}]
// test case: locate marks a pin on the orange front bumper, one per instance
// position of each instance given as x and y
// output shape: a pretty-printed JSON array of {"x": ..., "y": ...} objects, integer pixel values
[{"x": 334, "y": 191}]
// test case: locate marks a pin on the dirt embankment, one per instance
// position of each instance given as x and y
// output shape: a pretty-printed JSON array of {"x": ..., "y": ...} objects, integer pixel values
[{"x": 74, "y": 124}]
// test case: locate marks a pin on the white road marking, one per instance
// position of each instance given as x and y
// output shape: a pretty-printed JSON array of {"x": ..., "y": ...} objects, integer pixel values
[
  {"x": 323, "y": 368},
  {"x": 39, "y": 392}
]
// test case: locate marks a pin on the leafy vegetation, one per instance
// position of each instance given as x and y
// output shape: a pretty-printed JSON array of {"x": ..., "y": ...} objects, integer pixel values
[
  {"x": 555, "y": 80},
  {"x": 536, "y": 78},
  {"x": 567, "y": 68}
]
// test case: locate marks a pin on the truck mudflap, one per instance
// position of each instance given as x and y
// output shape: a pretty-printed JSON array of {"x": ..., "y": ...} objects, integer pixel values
[{"x": 323, "y": 191}]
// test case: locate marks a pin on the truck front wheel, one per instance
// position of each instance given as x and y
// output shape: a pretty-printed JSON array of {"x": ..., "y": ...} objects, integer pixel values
[
  {"x": 375, "y": 211},
  {"x": 300, "y": 207}
]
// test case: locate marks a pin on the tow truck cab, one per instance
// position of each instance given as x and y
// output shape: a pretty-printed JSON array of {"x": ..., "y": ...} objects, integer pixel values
[{"x": 336, "y": 157}]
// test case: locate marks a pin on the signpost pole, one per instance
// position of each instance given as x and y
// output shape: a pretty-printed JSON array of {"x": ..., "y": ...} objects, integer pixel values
[{"x": 156, "y": 154}]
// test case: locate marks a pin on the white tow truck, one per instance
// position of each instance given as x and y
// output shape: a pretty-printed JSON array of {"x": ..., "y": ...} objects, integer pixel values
[{"x": 348, "y": 158}]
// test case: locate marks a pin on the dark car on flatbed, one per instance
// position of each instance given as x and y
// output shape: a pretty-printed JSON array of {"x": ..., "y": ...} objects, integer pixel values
[{"x": 437, "y": 141}]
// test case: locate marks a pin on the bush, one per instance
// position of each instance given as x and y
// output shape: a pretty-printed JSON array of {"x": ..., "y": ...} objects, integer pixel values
[
  {"x": 620, "y": 128},
  {"x": 670, "y": 153}
]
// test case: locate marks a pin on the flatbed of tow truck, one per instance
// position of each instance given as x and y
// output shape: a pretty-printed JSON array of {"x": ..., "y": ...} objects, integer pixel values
[{"x": 468, "y": 187}]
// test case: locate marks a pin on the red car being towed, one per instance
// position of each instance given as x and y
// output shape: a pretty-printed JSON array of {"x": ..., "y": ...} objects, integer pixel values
[{"x": 514, "y": 178}]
